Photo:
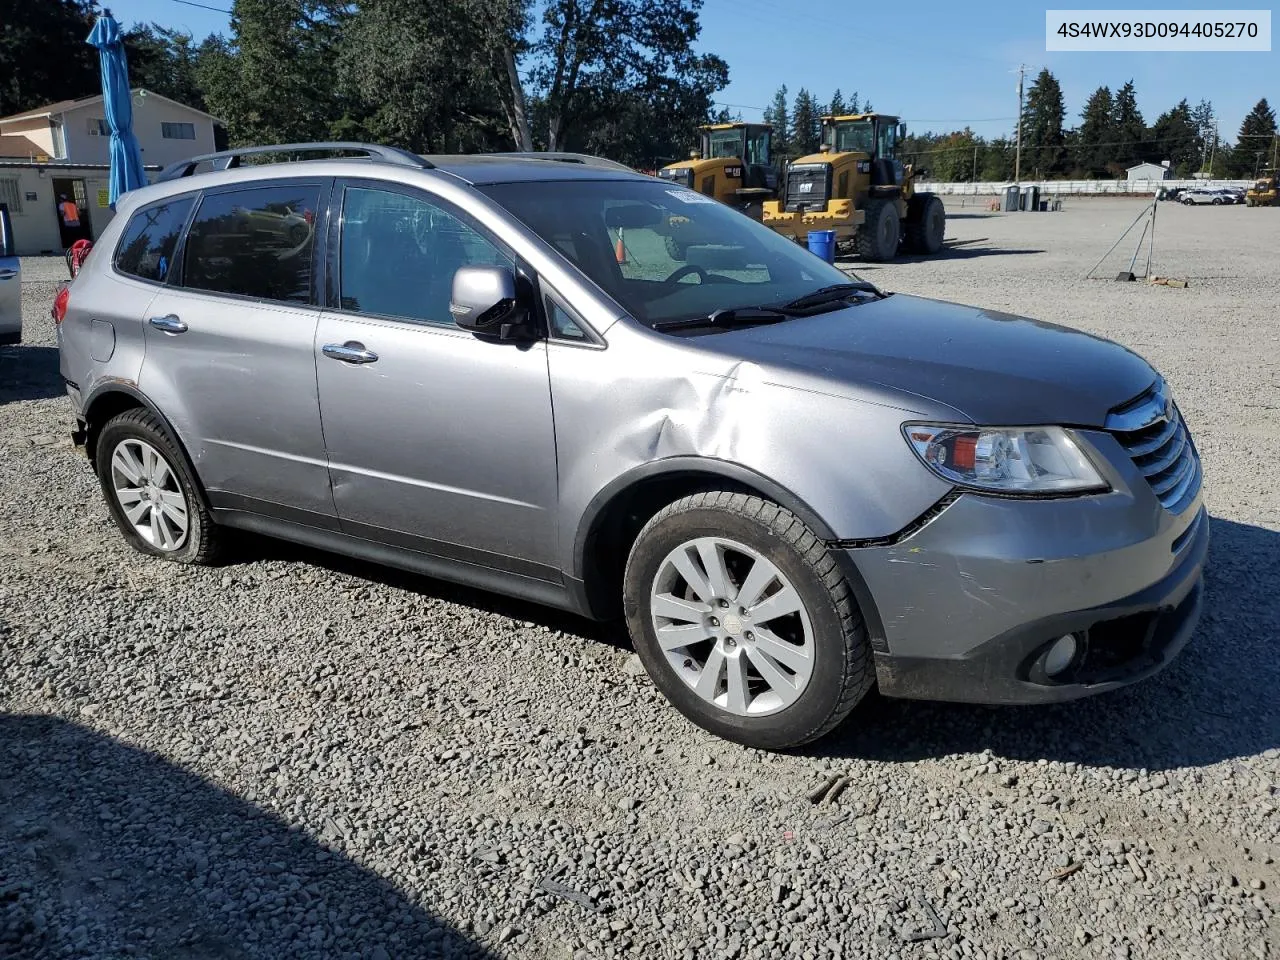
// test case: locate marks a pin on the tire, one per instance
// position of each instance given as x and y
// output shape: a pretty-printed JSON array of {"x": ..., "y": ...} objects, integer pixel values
[
  {"x": 128, "y": 442},
  {"x": 926, "y": 223},
  {"x": 1217, "y": 201},
  {"x": 823, "y": 646},
  {"x": 877, "y": 238}
]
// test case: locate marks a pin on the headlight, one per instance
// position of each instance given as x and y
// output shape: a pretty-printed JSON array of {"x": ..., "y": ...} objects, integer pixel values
[{"x": 1008, "y": 460}]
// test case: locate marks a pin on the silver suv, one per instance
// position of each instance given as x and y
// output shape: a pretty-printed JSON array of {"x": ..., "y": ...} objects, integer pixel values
[{"x": 499, "y": 370}]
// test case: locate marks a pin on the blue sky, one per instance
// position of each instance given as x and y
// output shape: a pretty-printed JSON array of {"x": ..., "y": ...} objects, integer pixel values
[{"x": 940, "y": 65}]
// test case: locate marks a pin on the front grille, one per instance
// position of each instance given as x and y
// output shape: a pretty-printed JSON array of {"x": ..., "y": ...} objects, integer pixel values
[
  {"x": 808, "y": 187},
  {"x": 1151, "y": 430}
]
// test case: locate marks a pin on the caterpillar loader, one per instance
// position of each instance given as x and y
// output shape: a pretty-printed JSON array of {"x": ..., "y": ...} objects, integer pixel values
[
  {"x": 858, "y": 187},
  {"x": 1265, "y": 192}
]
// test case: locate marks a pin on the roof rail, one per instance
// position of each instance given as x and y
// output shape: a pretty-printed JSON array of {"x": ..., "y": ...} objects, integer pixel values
[
  {"x": 226, "y": 159},
  {"x": 584, "y": 158}
]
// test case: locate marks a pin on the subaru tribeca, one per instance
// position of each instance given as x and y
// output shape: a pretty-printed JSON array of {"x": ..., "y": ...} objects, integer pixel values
[{"x": 496, "y": 370}]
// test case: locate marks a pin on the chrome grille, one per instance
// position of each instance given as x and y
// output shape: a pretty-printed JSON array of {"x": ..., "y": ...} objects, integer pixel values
[{"x": 1151, "y": 430}]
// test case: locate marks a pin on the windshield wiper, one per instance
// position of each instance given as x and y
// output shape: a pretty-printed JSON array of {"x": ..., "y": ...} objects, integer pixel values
[
  {"x": 729, "y": 317},
  {"x": 832, "y": 294}
]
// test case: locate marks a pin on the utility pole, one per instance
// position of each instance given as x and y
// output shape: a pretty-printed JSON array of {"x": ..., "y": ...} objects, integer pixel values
[
  {"x": 974, "y": 176},
  {"x": 1214, "y": 148},
  {"x": 1017, "y": 155}
]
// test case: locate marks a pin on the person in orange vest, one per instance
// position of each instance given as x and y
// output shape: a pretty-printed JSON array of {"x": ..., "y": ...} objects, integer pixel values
[{"x": 70, "y": 212}]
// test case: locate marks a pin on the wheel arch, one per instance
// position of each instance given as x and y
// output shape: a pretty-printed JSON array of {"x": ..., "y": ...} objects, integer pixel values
[
  {"x": 615, "y": 515},
  {"x": 117, "y": 397}
]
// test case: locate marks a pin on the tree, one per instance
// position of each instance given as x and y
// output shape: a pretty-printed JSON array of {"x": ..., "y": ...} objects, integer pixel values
[
  {"x": 1255, "y": 142},
  {"x": 1173, "y": 138},
  {"x": 1203, "y": 119},
  {"x": 43, "y": 54},
  {"x": 1042, "y": 116},
  {"x": 1096, "y": 133},
  {"x": 805, "y": 133},
  {"x": 837, "y": 105},
  {"x": 164, "y": 61},
  {"x": 1129, "y": 129},
  {"x": 273, "y": 81},
  {"x": 776, "y": 115}
]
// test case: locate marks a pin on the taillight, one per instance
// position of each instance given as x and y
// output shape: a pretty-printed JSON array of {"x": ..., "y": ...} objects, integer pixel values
[{"x": 60, "y": 303}]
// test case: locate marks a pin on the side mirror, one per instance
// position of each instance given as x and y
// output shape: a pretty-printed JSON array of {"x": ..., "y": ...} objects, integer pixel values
[{"x": 484, "y": 301}]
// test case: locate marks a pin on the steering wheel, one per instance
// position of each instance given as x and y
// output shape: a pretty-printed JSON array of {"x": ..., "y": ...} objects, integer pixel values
[{"x": 687, "y": 269}]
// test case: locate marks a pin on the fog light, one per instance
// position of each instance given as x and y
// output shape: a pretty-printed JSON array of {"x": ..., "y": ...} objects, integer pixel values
[{"x": 1061, "y": 655}]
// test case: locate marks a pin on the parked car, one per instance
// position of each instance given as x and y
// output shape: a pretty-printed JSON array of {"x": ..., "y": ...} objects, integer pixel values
[
  {"x": 10, "y": 282},
  {"x": 1169, "y": 193},
  {"x": 1206, "y": 195},
  {"x": 790, "y": 484}
]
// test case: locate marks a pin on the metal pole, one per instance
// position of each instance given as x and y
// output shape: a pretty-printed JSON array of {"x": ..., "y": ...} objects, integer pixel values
[
  {"x": 1117, "y": 243},
  {"x": 1017, "y": 156},
  {"x": 1214, "y": 148},
  {"x": 1152, "y": 245}
]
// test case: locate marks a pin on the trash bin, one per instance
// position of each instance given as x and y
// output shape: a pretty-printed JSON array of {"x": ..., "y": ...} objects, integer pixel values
[
  {"x": 823, "y": 244},
  {"x": 1010, "y": 198},
  {"x": 1044, "y": 206}
]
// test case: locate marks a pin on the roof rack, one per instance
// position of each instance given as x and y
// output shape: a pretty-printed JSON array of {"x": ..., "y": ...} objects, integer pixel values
[
  {"x": 226, "y": 159},
  {"x": 584, "y": 158}
]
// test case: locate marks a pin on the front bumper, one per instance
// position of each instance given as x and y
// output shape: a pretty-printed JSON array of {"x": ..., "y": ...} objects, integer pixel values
[
  {"x": 839, "y": 216},
  {"x": 966, "y": 608}
]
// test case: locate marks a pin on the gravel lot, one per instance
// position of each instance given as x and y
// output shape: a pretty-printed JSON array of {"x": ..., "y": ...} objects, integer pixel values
[{"x": 302, "y": 756}]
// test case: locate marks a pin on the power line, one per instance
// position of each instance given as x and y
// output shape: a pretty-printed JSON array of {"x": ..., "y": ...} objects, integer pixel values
[{"x": 202, "y": 6}]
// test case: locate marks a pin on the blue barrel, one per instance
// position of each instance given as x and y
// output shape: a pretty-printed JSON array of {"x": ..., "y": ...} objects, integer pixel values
[{"x": 823, "y": 244}]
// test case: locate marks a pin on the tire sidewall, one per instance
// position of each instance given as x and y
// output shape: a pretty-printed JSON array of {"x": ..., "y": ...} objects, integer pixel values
[
  {"x": 127, "y": 428},
  {"x": 888, "y": 231},
  {"x": 820, "y": 698}
]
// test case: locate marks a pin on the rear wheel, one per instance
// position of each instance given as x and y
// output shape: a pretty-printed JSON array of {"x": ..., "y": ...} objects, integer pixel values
[
  {"x": 745, "y": 622},
  {"x": 926, "y": 223},
  {"x": 877, "y": 238},
  {"x": 151, "y": 494}
]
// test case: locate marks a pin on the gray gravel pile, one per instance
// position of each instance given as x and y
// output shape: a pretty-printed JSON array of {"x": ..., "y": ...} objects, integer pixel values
[{"x": 301, "y": 756}]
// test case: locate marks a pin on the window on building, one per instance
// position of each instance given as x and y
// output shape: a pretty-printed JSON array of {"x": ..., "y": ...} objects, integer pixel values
[
  {"x": 59, "y": 140},
  {"x": 399, "y": 255},
  {"x": 10, "y": 195},
  {"x": 178, "y": 131},
  {"x": 254, "y": 243},
  {"x": 149, "y": 241},
  {"x": 98, "y": 127}
]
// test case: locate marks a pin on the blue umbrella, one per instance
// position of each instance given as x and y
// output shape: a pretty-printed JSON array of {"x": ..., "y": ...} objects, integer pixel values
[{"x": 126, "y": 158}]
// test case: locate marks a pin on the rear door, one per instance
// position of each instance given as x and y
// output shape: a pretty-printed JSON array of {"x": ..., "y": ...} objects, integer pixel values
[
  {"x": 10, "y": 282},
  {"x": 229, "y": 349},
  {"x": 437, "y": 441}
]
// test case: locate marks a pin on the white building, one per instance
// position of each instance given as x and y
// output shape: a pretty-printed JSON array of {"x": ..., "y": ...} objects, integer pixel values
[
  {"x": 62, "y": 150},
  {"x": 1148, "y": 171}
]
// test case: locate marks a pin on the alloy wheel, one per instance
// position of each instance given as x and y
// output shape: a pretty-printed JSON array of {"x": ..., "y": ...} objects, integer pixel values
[
  {"x": 732, "y": 626},
  {"x": 148, "y": 492}
]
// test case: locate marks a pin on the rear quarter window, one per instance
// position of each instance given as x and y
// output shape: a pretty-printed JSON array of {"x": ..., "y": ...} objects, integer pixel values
[{"x": 150, "y": 239}]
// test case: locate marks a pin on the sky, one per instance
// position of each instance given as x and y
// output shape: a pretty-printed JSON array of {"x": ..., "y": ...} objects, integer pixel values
[{"x": 938, "y": 65}]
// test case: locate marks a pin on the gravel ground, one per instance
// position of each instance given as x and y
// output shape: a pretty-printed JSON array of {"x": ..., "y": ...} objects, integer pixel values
[{"x": 301, "y": 756}]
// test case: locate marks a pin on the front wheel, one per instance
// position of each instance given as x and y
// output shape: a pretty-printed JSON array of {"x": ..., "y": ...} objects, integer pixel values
[{"x": 745, "y": 622}]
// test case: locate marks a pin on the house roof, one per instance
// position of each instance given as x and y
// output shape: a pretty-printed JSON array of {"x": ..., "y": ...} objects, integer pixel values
[
  {"x": 66, "y": 106},
  {"x": 17, "y": 146}
]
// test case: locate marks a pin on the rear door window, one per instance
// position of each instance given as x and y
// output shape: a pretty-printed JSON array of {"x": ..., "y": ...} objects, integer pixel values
[
  {"x": 8, "y": 245},
  {"x": 256, "y": 242},
  {"x": 149, "y": 241}
]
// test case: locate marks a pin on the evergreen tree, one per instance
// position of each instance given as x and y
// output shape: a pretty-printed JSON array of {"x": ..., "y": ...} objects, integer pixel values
[
  {"x": 1130, "y": 131},
  {"x": 1202, "y": 118},
  {"x": 777, "y": 116},
  {"x": 1173, "y": 138},
  {"x": 804, "y": 124},
  {"x": 43, "y": 56},
  {"x": 1097, "y": 130},
  {"x": 1042, "y": 137},
  {"x": 837, "y": 105},
  {"x": 1255, "y": 142}
]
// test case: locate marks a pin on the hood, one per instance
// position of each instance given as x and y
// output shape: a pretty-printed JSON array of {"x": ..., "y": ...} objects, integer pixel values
[{"x": 993, "y": 368}]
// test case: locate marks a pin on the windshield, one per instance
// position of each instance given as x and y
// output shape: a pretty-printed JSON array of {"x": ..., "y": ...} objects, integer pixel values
[
  {"x": 665, "y": 252},
  {"x": 854, "y": 136},
  {"x": 726, "y": 143}
]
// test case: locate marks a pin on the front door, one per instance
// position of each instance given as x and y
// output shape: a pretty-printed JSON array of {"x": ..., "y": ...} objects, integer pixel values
[
  {"x": 230, "y": 355},
  {"x": 437, "y": 441}
]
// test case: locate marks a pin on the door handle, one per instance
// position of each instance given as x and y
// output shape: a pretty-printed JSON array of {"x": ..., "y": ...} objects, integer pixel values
[
  {"x": 8, "y": 274},
  {"x": 169, "y": 323},
  {"x": 350, "y": 352}
]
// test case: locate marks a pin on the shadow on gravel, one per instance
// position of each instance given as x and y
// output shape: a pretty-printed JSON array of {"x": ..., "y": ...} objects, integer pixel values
[
  {"x": 951, "y": 251},
  {"x": 29, "y": 373},
  {"x": 1216, "y": 702},
  {"x": 108, "y": 851},
  {"x": 613, "y": 633}
]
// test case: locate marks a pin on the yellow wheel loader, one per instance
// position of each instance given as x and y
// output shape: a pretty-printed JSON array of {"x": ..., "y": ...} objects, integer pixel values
[
  {"x": 1265, "y": 192},
  {"x": 857, "y": 187}
]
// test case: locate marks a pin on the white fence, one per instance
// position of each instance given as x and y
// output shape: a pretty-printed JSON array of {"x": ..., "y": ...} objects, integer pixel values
[{"x": 1059, "y": 188}]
